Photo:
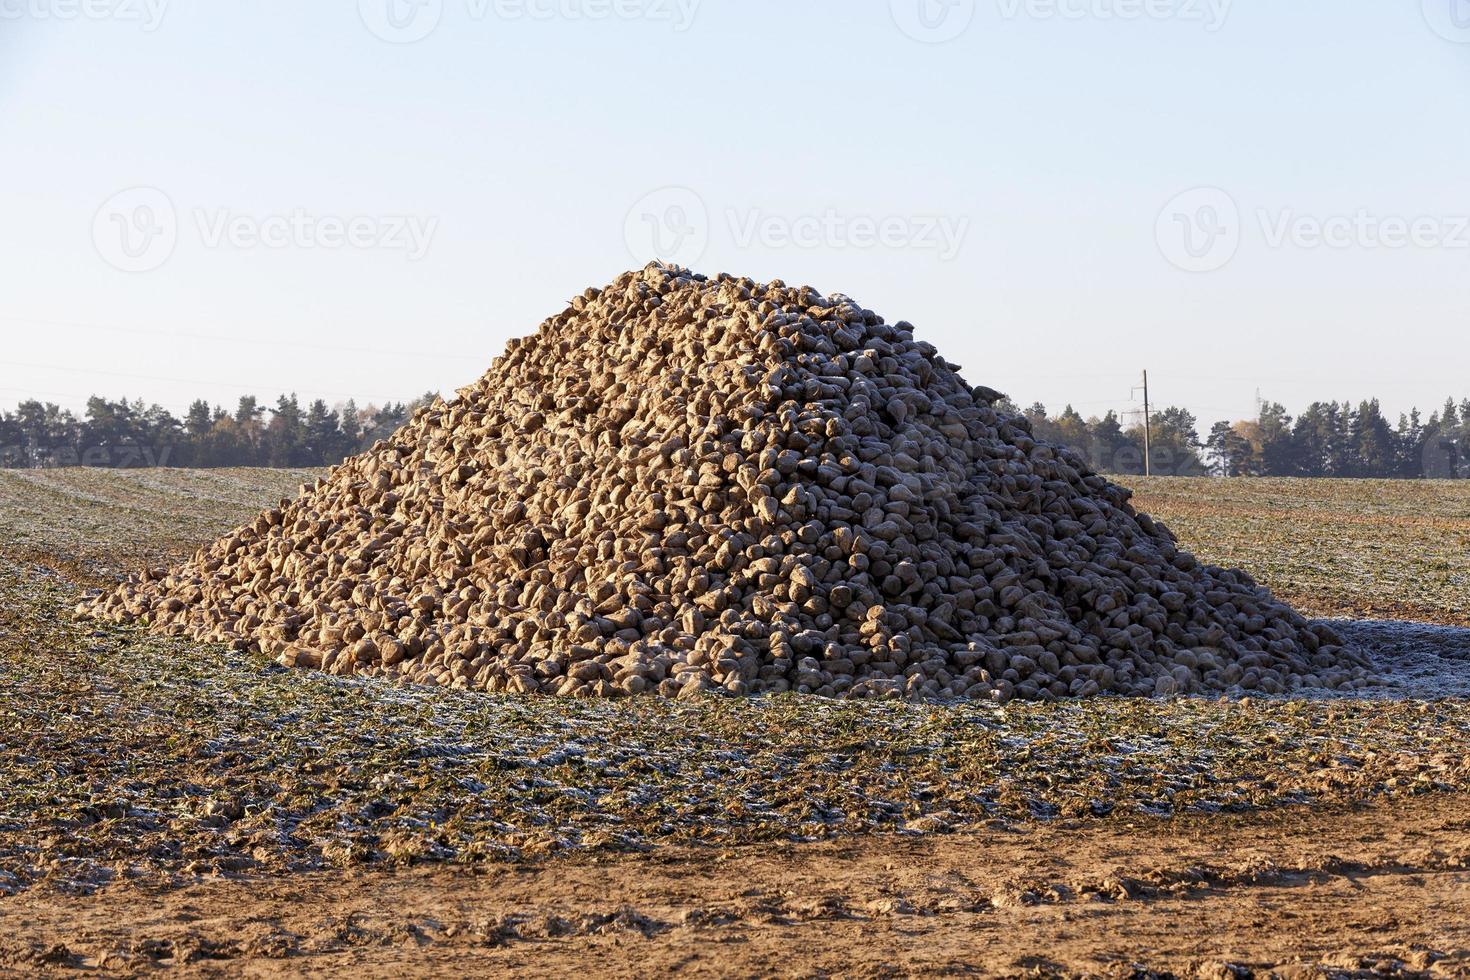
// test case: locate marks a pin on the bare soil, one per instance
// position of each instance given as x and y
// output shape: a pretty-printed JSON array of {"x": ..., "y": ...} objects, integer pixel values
[{"x": 1361, "y": 892}]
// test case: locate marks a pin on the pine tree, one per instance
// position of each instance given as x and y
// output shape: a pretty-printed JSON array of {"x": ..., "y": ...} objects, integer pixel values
[
  {"x": 1319, "y": 438},
  {"x": 107, "y": 429},
  {"x": 199, "y": 419},
  {"x": 1372, "y": 439},
  {"x": 351, "y": 428},
  {"x": 11, "y": 451},
  {"x": 1277, "y": 449},
  {"x": 1112, "y": 451},
  {"x": 285, "y": 436},
  {"x": 164, "y": 439},
  {"x": 1217, "y": 447},
  {"x": 323, "y": 438},
  {"x": 1230, "y": 451},
  {"x": 249, "y": 412},
  {"x": 1439, "y": 456},
  {"x": 48, "y": 433},
  {"x": 1408, "y": 441},
  {"x": 242, "y": 443}
]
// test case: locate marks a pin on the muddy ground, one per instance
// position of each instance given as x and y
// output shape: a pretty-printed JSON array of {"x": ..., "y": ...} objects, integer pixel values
[{"x": 169, "y": 807}]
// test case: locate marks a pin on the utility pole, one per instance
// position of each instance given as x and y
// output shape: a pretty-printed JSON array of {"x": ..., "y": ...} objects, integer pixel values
[{"x": 1147, "y": 430}]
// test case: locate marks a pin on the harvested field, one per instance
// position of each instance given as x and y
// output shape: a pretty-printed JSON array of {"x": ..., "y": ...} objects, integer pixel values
[
  {"x": 102, "y": 524},
  {"x": 172, "y": 804},
  {"x": 1359, "y": 549}
]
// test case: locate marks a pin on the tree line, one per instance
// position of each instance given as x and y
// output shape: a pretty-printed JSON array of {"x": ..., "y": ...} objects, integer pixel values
[
  {"x": 1328, "y": 439},
  {"x": 128, "y": 434}
]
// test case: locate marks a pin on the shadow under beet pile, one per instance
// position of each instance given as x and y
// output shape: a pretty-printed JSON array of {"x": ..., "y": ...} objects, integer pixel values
[{"x": 681, "y": 484}]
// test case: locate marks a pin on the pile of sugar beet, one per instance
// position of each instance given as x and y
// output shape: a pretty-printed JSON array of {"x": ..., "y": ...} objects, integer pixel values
[{"x": 683, "y": 484}]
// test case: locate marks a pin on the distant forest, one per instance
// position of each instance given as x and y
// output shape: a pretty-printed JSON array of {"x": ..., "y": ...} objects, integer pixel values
[
  {"x": 124, "y": 434},
  {"x": 1327, "y": 440}
]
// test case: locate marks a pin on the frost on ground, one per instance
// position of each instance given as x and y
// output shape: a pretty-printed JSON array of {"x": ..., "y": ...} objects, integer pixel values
[{"x": 1413, "y": 660}]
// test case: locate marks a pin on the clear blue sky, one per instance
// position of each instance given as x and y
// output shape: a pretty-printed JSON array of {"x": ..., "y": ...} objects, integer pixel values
[{"x": 525, "y": 137}]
